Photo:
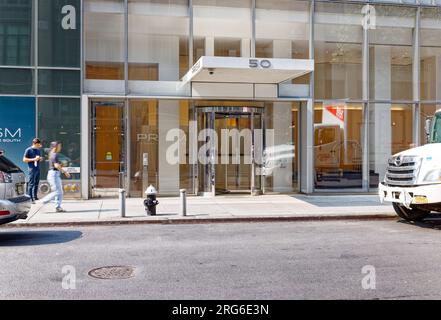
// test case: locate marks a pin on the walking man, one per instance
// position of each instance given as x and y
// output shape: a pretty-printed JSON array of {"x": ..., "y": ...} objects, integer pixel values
[
  {"x": 32, "y": 157},
  {"x": 54, "y": 177}
]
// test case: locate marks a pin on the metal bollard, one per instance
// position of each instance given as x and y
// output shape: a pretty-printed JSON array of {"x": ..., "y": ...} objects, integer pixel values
[
  {"x": 183, "y": 196},
  {"x": 122, "y": 202}
]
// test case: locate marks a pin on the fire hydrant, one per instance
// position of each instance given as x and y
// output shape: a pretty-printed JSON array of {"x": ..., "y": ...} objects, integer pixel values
[{"x": 150, "y": 203}]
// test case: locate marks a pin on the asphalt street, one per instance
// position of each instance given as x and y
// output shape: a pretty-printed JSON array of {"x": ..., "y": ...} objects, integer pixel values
[{"x": 289, "y": 260}]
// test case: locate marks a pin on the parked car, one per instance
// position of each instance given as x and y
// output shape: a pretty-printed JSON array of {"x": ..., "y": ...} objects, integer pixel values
[{"x": 14, "y": 204}]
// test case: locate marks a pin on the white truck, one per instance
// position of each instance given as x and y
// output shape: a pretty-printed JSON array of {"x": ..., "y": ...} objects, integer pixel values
[{"x": 412, "y": 182}]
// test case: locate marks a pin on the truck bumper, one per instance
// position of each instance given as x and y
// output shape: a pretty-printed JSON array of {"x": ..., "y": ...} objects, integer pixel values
[{"x": 410, "y": 195}]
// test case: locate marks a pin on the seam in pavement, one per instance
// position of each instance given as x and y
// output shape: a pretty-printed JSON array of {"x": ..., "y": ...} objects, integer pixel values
[{"x": 191, "y": 220}]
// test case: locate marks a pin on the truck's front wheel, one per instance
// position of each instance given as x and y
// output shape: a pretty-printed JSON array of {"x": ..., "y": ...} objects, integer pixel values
[{"x": 409, "y": 214}]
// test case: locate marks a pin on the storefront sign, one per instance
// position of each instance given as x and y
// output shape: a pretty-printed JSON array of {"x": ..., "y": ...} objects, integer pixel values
[{"x": 17, "y": 127}]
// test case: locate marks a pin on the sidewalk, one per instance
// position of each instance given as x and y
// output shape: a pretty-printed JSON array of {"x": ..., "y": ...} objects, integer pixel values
[{"x": 218, "y": 209}]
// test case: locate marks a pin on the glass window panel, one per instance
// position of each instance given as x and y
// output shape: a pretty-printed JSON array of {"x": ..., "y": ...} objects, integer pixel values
[
  {"x": 338, "y": 130},
  {"x": 282, "y": 155},
  {"x": 158, "y": 39},
  {"x": 16, "y": 81},
  {"x": 59, "y": 82},
  {"x": 104, "y": 39},
  {"x": 338, "y": 51},
  {"x": 391, "y": 54},
  {"x": 59, "y": 120},
  {"x": 222, "y": 28},
  {"x": 15, "y": 33},
  {"x": 427, "y": 111},
  {"x": 144, "y": 136},
  {"x": 59, "y": 33},
  {"x": 282, "y": 29},
  {"x": 430, "y": 54},
  {"x": 390, "y": 131}
]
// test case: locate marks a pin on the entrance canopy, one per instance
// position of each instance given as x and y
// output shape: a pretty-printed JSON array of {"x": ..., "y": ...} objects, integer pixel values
[{"x": 247, "y": 70}]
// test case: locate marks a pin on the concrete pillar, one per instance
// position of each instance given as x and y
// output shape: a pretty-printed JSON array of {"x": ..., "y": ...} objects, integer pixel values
[
  {"x": 85, "y": 147},
  {"x": 307, "y": 147},
  {"x": 437, "y": 78},
  {"x": 168, "y": 118},
  {"x": 380, "y": 131},
  {"x": 245, "y": 48},
  {"x": 209, "y": 46}
]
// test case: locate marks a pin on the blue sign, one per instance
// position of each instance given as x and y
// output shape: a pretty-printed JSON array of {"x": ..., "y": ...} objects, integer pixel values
[{"x": 17, "y": 127}]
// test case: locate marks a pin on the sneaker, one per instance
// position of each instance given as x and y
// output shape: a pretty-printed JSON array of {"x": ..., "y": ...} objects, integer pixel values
[{"x": 60, "y": 209}]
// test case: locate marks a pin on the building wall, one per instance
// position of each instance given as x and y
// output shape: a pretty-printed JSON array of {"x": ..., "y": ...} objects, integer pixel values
[
  {"x": 42, "y": 65},
  {"x": 384, "y": 78}
]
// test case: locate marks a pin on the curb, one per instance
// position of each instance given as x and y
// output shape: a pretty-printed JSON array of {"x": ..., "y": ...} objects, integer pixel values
[{"x": 192, "y": 220}]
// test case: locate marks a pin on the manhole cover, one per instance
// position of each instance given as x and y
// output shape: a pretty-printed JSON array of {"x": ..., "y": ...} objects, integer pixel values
[{"x": 112, "y": 272}]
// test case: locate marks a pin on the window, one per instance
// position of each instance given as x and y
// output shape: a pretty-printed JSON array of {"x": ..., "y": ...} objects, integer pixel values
[
  {"x": 282, "y": 29},
  {"x": 222, "y": 28},
  {"x": 59, "y": 33},
  {"x": 338, "y": 51},
  {"x": 158, "y": 39},
  {"x": 338, "y": 131},
  {"x": 59, "y": 120},
  {"x": 390, "y": 53},
  {"x": 430, "y": 54},
  {"x": 59, "y": 82},
  {"x": 16, "y": 81},
  {"x": 390, "y": 132},
  {"x": 104, "y": 39},
  {"x": 16, "y": 33}
]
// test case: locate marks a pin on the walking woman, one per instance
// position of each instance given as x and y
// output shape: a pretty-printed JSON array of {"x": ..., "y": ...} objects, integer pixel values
[{"x": 54, "y": 177}]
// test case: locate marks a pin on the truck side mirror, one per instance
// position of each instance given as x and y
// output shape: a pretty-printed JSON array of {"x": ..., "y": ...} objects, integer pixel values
[{"x": 427, "y": 127}]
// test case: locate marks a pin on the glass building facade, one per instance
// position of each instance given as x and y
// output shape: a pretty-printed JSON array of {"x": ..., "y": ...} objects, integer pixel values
[{"x": 106, "y": 77}]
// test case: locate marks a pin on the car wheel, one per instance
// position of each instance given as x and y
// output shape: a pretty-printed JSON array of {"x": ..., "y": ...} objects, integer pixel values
[{"x": 410, "y": 214}]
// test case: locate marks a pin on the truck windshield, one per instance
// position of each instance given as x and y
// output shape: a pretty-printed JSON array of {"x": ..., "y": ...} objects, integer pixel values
[{"x": 435, "y": 134}]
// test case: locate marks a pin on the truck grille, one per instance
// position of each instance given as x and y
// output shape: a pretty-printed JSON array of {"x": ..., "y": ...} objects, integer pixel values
[{"x": 402, "y": 171}]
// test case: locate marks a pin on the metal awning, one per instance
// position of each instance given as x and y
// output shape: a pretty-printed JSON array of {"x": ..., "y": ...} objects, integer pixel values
[{"x": 247, "y": 70}]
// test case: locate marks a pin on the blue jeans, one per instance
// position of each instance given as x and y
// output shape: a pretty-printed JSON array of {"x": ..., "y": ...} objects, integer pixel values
[
  {"x": 34, "y": 180},
  {"x": 54, "y": 179}
]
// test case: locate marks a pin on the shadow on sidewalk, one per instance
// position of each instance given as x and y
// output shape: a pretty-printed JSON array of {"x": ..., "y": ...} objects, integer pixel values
[{"x": 34, "y": 238}]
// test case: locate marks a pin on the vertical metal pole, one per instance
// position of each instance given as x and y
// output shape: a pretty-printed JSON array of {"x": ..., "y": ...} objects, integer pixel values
[
  {"x": 35, "y": 33},
  {"x": 213, "y": 154},
  {"x": 190, "y": 35},
  {"x": 183, "y": 196},
  {"x": 253, "y": 28},
  {"x": 416, "y": 79},
  {"x": 253, "y": 166},
  {"x": 122, "y": 195},
  {"x": 365, "y": 113},
  {"x": 126, "y": 47}
]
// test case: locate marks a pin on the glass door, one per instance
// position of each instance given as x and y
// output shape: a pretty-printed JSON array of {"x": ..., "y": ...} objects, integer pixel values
[
  {"x": 108, "y": 154},
  {"x": 233, "y": 168},
  {"x": 227, "y": 150}
]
